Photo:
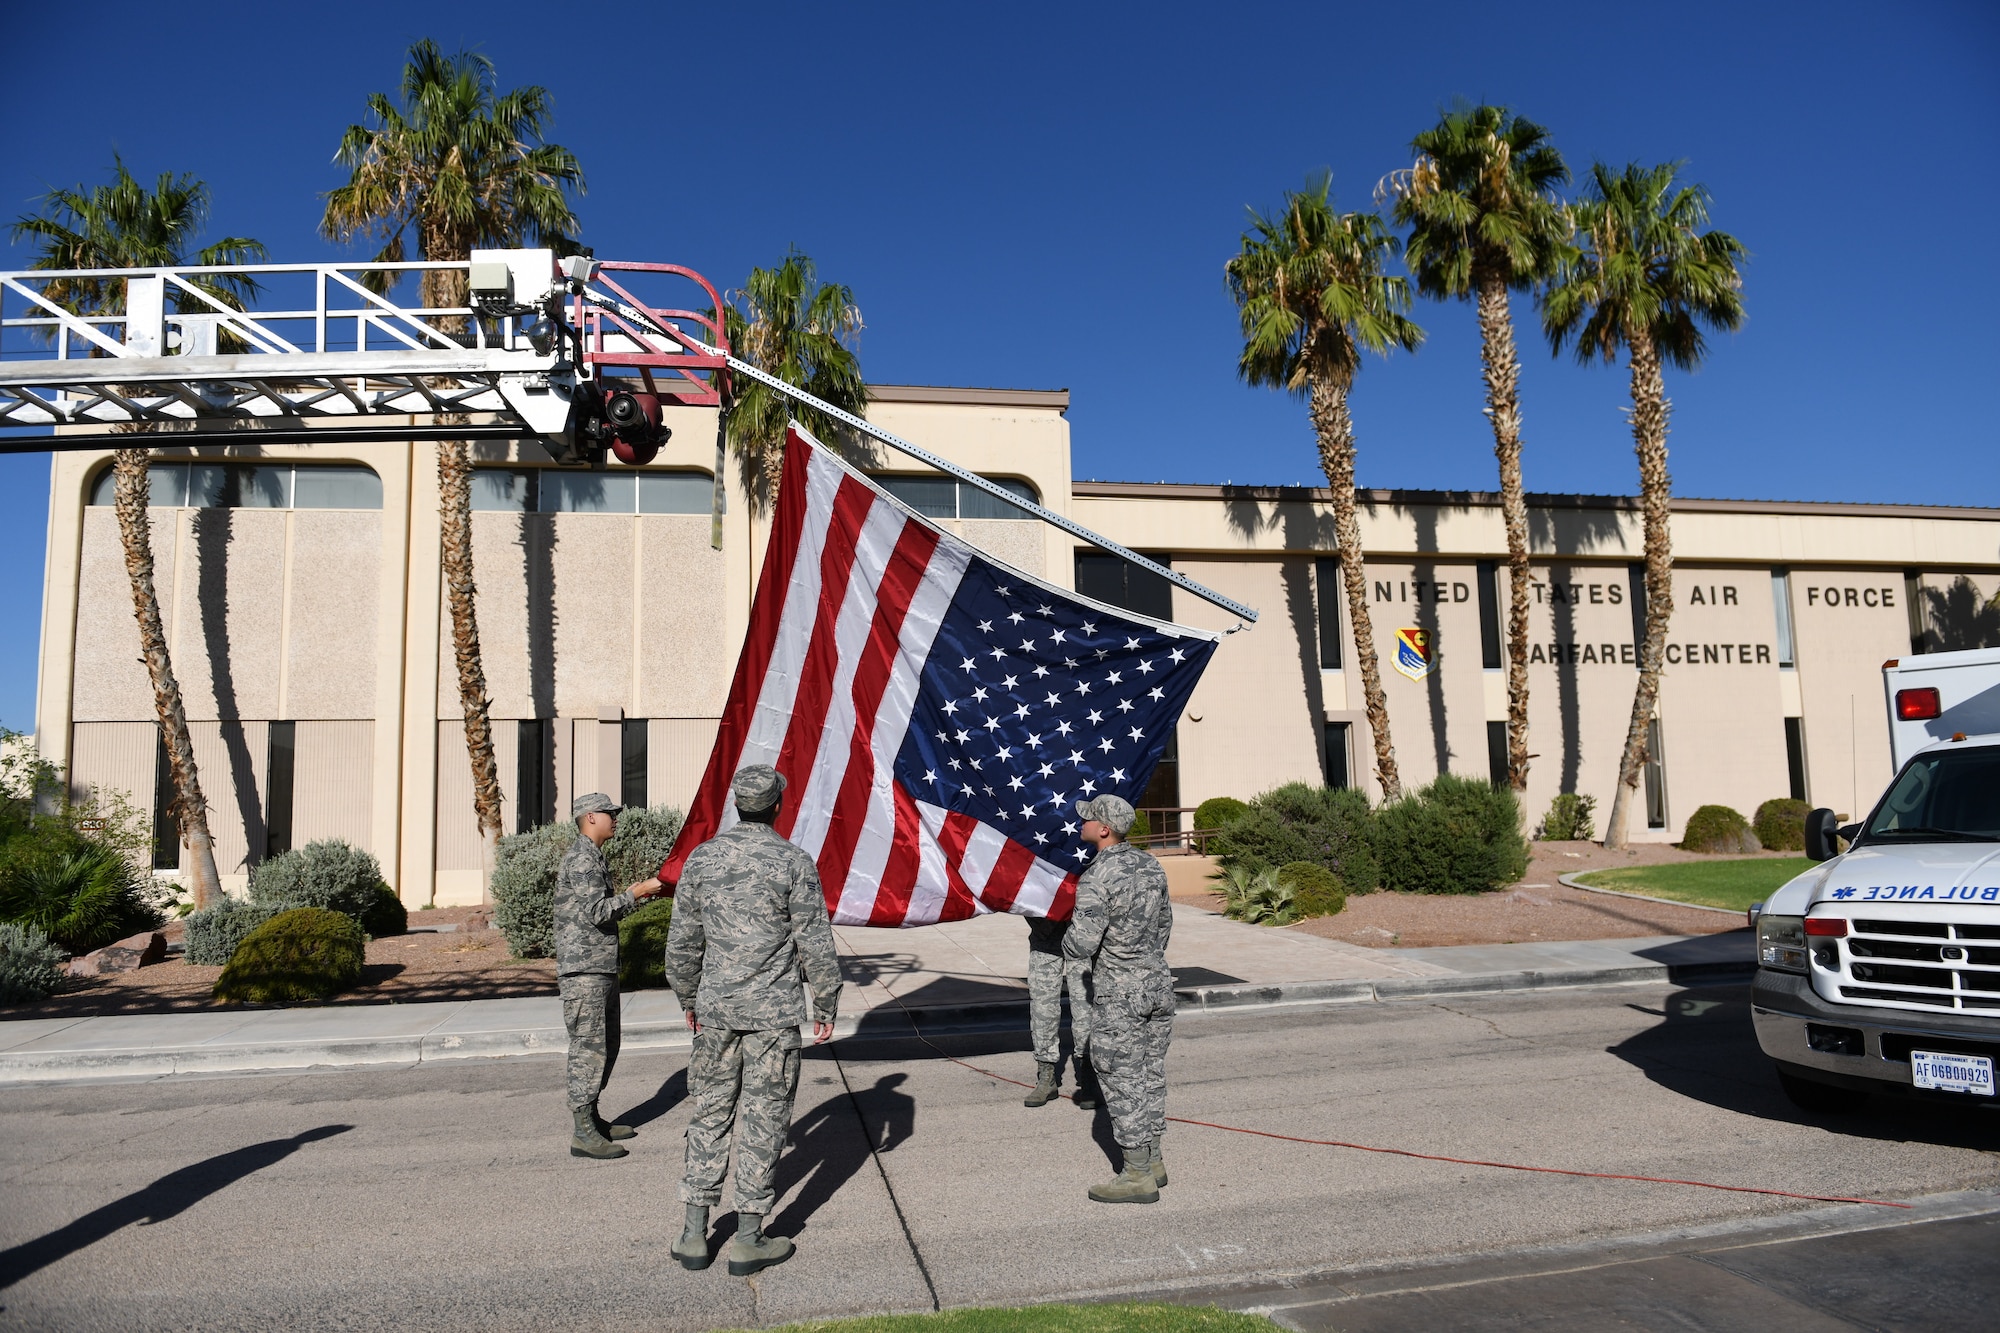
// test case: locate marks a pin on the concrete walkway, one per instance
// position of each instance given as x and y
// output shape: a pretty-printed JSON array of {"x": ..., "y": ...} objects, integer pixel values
[{"x": 963, "y": 976}]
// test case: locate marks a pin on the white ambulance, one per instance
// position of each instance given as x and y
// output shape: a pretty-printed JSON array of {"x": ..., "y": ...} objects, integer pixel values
[{"x": 1879, "y": 969}]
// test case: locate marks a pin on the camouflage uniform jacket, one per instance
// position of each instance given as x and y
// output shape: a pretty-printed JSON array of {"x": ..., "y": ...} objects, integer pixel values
[
  {"x": 747, "y": 912},
  {"x": 587, "y": 912},
  {"x": 1122, "y": 919}
]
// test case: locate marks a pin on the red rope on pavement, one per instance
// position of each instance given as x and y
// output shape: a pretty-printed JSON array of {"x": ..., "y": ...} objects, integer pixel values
[{"x": 1425, "y": 1156}]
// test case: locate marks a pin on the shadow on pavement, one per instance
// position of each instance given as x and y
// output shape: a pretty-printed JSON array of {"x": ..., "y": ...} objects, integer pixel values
[
  {"x": 169, "y": 1196},
  {"x": 825, "y": 1151},
  {"x": 1703, "y": 1047},
  {"x": 671, "y": 1094}
]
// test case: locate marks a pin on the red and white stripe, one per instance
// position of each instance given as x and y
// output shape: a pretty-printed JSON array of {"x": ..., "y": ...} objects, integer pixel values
[{"x": 853, "y": 590}]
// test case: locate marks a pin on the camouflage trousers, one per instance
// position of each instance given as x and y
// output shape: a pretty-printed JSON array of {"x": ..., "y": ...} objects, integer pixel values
[
  {"x": 590, "y": 1013},
  {"x": 1048, "y": 970},
  {"x": 745, "y": 1081},
  {"x": 1130, "y": 1027}
]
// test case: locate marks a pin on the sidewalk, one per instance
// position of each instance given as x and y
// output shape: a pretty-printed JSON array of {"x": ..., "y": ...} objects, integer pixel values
[{"x": 964, "y": 975}]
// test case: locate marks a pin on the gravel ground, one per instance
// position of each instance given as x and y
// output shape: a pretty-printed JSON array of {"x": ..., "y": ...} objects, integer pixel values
[
  {"x": 1537, "y": 908},
  {"x": 426, "y": 964}
]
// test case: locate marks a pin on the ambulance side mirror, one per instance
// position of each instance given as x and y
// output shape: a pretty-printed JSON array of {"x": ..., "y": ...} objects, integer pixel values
[{"x": 1822, "y": 830}]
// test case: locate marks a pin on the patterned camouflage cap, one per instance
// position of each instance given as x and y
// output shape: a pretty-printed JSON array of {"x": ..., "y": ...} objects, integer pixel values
[
  {"x": 1114, "y": 812},
  {"x": 757, "y": 787},
  {"x": 594, "y": 803}
]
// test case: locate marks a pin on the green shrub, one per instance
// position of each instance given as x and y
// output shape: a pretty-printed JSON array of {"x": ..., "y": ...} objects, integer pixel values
[
  {"x": 302, "y": 953},
  {"x": 386, "y": 915},
  {"x": 1457, "y": 835},
  {"x": 1142, "y": 828},
  {"x": 1571, "y": 818},
  {"x": 81, "y": 894},
  {"x": 1258, "y": 897},
  {"x": 1315, "y": 891},
  {"x": 642, "y": 945},
  {"x": 329, "y": 874},
  {"x": 1328, "y": 826},
  {"x": 524, "y": 887},
  {"x": 214, "y": 932},
  {"x": 1717, "y": 828},
  {"x": 524, "y": 877},
  {"x": 1781, "y": 824},
  {"x": 1219, "y": 812},
  {"x": 31, "y": 968},
  {"x": 645, "y": 835}
]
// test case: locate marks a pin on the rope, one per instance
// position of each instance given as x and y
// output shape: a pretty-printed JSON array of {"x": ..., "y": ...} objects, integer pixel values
[{"x": 1412, "y": 1153}]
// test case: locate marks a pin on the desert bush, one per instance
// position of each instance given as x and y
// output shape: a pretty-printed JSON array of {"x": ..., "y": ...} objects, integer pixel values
[
  {"x": 1571, "y": 818},
  {"x": 1717, "y": 828},
  {"x": 80, "y": 894},
  {"x": 1457, "y": 835},
  {"x": 31, "y": 968},
  {"x": 1315, "y": 890},
  {"x": 386, "y": 915},
  {"x": 329, "y": 874},
  {"x": 642, "y": 945},
  {"x": 214, "y": 932},
  {"x": 1142, "y": 828},
  {"x": 1328, "y": 826},
  {"x": 302, "y": 953},
  {"x": 1780, "y": 824},
  {"x": 645, "y": 835},
  {"x": 1258, "y": 897},
  {"x": 524, "y": 887},
  {"x": 1219, "y": 812}
]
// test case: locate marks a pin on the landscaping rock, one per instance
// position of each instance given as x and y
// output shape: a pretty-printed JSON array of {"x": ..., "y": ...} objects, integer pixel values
[
  {"x": 480, "y": 920},
  {"x": 127, "y": 955}
]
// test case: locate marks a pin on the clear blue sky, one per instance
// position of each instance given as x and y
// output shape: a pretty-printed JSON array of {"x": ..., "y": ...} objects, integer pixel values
[{"x": 1044, "y": 196}]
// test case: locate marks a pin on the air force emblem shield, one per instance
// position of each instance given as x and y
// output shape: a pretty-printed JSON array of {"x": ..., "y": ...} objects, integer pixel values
[{"x": 1414, "y": 657}]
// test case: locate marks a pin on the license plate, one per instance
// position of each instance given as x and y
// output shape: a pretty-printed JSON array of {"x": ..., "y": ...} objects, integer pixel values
[{"x": 1950, "y": 1072}]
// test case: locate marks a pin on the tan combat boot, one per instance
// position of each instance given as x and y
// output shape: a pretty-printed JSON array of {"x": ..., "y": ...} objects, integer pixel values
[
  {"x": 692, "y": 1248},
  {"x": 1088, "y": 1091},
  {"x": 1046, "y": 1086},
  {"x": 1159, "y": 1165},
  {"x": 752, "y": 1251},
  {"x": 586, "y": 1141},
  {"x": 1132, "y": 1185},
  {"x": 610, "y": 1131}
]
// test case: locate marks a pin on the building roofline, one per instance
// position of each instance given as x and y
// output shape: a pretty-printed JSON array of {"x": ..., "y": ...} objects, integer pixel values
[
  {"x": 940, "y": 393},
  {"x": 1143, "y": 490}
]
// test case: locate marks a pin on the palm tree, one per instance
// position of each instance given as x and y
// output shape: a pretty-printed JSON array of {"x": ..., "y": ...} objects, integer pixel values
[
  {"x": 1483, "y": 216},
  {"x": 126, "y": 225},
  {"x": 784, "y": 320},
  {"x": 463, "y": 165},
  {"x": 1647, "y": 279},
  {"x": 1312, "y": 295}
]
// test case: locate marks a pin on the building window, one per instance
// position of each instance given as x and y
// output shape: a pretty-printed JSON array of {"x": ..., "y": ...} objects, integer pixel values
[
  {"x": 943, "y": 497},
  {"x": 1116, "y": 581},
  {"x": 1326, "y": 587},
  {"x": 1635, "y": 579},
  {"x": 505, "y": 490},
  {"x": 561, "y": 492},
  {"x": 1163, "y": 794},
  {"x": 1656, "y": 777},
  {"x": 632, "y": 762},
  {"x": 171, "y": 485},
  {"x": 166, "y": 829},
  {"x": 1913, "y": 602},
  {"x": 1338, "y": 772},
  {"x": 1795, "y": 756},
  {"x": 1781, "y": 603},
  {"x": 1489, "y": 615},
  {"x": 283, "y": 764},
  {"x": 1496, "y": 753},
  {"x": 534, "y": 774}
]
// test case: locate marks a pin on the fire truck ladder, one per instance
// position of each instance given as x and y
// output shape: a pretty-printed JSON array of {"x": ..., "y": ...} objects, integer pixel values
[{"x": 579, "y": 357}]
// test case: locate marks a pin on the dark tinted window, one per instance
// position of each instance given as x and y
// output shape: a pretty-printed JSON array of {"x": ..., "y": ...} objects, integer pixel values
[{"x": 1116, "y": 581}]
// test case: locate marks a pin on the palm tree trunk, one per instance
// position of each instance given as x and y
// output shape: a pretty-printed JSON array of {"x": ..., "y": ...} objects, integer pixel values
[
  {"x": 1335, "y": 428},
  {"x": 190, "y": 810},
  {"x": 455, "y": 539},
  {"x": 1649, "y": 436},
  {"x": 1502, "y": 366}
]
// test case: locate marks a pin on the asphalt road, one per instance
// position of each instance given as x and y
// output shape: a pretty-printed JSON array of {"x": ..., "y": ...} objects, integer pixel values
[{"x": 443, "y": 1197}]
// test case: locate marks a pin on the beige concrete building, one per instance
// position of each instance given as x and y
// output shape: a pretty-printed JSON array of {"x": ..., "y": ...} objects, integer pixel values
[{"x": 302, "y": 599}]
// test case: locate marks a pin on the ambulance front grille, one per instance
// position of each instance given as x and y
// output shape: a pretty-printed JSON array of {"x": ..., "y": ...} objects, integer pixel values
[{"x": 1914, "y": 964}]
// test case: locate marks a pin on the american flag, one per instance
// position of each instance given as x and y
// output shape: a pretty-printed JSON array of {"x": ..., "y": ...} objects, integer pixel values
[{"x": 936, "y": 714}]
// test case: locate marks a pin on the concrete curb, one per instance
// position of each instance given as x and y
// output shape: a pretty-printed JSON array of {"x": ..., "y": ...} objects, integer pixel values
[
  {"x": 889, "y": 1022},
  {"x": 1569, "y": 881}
]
